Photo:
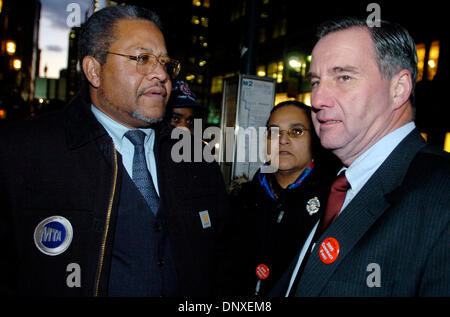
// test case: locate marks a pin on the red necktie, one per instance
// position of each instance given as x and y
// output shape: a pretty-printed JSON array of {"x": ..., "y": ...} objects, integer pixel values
[{"x": 335, "y": 200}]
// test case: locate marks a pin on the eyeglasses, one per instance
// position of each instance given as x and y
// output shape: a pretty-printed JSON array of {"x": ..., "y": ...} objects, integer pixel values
[
  {"x": 146, "y": 63},
  {"x": 293, "y": 132}
]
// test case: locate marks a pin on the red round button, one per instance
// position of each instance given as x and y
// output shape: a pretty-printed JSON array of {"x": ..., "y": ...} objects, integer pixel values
[
  {"x": 262, "y": 271},
  {"x": 329, "y": 250}
]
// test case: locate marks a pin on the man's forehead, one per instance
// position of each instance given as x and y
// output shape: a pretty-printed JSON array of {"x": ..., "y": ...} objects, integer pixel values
[
  {"x": 138, "y": 34},
  {"x": 343, "y": 50},
  {"x": 128, "y": 26},
  {"x": 355, "y": 37}
]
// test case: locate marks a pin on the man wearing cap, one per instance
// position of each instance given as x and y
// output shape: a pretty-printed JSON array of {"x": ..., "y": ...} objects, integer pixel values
[
  {"x": 92, "y": 203},
  {"x": 182, "y": 108}
]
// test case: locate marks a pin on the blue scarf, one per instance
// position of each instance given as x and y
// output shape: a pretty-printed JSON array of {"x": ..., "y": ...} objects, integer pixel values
[{"x": 266, "y": 184}]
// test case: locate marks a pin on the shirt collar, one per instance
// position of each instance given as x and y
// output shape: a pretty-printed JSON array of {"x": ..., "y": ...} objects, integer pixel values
[
  {"x": 115, "y": 130},
  {"x": 359, "y": 172}
]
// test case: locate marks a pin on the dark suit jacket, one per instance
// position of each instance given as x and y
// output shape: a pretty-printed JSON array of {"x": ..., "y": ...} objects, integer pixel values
[
  {"x": 64, "y": 163},
  {"x": 394, "y": 235}
]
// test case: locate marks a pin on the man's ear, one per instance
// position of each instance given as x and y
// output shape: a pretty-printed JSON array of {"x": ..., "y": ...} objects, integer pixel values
[
  {"x": 401, "y": 87},
  {"x": 91, "y": 68}
]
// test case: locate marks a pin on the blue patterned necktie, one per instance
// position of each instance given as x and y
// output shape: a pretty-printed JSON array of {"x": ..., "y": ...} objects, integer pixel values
[{"x": 141, "y": 176}]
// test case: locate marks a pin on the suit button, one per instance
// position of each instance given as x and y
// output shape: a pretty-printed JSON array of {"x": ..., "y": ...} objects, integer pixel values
[
  {"x": 157, "y": 227},
  {"x": 161, "y": 262}
]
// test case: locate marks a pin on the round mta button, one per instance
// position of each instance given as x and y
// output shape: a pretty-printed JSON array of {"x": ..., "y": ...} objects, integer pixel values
[
  {"x": 262, "y": 271},
  {"x": 329, "y": 250},
  {"x": 53, "y": 235}
]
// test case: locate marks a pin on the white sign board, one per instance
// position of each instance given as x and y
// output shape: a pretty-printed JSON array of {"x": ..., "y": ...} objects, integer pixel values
[{"x": 254, "y": 97}]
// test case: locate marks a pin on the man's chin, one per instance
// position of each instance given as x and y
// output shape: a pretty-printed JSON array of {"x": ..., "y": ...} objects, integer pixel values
[{"x": 147, "y": 119}]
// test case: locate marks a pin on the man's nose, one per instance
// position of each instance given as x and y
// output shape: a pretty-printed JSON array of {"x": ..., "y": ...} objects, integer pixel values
[
  {"x": 321, "y": 96},
  {"x": 159, "y": 72}
]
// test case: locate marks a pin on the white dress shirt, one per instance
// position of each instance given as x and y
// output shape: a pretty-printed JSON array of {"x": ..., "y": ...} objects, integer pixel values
[
  {"x": 357, "y": 174},
  {"x": 124, "y": 146}
]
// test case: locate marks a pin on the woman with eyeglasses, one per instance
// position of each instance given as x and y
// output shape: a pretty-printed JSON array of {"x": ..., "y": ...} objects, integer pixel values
[{"x": 274, "y": 213}]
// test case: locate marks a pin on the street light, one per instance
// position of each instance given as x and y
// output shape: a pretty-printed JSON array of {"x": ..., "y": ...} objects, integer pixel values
[
  {"x": 10, "y": 47},
  {"x": 295, "y": 63}
]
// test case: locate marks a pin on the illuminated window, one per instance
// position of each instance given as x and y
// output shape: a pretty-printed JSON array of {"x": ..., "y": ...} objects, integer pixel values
[
  {"x": 190, "y": 77},
  {"x": 261, "y": 71},
  {"x": 206, "y": 3},
  {"x": 420, "y": 48},
  {"x": 203, "y": 41},
  {"x": 216, "y": 84},
  {"x": 282, "y": 96},
  {"x": 10, "y": 47},
  {"x": 195, "y": 20},
  {"x": 205, "y": 22},
  {"x": 447, "y": 142},
  {"x": 275, "y": 70},
  {"x": 433, "y": 58},
  {"x": 431, "y": 64},
  {"x": 196, "y": 3},
  {"x": 280, "y": 72},
  {"x": 305, "y": 98},
  {"x": 272, "y": 70},
  {"x": 17, "y": 64}
]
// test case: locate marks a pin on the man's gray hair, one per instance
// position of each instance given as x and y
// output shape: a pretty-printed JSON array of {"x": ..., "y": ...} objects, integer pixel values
[{"x": 394, "y": 47}]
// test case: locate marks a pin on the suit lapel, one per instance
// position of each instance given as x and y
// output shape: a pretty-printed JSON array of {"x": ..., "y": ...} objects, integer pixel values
[{"x": 356, "y": 219}]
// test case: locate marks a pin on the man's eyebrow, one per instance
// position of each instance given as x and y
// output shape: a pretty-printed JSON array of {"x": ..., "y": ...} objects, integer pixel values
[
  {"x": 149, "y": 50},
  {"x": 334, "y": 70},
  {"x": 344, "y": 69},
  {"x": 140, "y": 48}
]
